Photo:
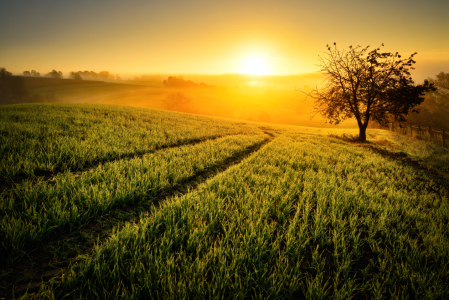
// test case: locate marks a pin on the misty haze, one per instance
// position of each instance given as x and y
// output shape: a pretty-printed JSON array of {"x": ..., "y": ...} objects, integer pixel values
[{"x": 224, "y": 150}]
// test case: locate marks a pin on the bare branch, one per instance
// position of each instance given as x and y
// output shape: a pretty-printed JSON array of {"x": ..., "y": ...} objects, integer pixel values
[{"x": 366, "y": 85}]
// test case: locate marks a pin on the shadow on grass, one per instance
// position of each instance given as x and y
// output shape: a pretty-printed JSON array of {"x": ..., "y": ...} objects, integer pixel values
[{"x": 401, "y": 157}]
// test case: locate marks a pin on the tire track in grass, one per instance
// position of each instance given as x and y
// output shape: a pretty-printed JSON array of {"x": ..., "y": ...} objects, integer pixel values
[
  {"x": 46, "y": 176},
  {"x": 30, "y": 273}
]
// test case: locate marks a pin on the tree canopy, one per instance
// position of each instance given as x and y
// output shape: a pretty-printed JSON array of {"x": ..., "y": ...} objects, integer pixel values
[
  {"x": 55, "y": 74},
  {"x": 367, "y": 85},
  {"x": 91, "y": 75},
  {"x": 75, "y": 75},
  {"x": 32, "y": 73}
]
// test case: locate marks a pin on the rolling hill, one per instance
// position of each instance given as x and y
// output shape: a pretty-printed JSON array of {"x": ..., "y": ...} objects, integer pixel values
[{"x": 101, "y": 201}]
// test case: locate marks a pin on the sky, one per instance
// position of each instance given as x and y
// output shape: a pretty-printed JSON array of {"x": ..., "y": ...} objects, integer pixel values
[{"x": 214, "y": 36}]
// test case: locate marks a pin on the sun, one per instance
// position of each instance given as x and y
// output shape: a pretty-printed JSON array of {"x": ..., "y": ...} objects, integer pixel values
[{"x": 255, "y": 65}]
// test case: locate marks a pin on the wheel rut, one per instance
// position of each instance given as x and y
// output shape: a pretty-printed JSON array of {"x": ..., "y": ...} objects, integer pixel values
[
  {"x": 47, "y": 176},
  {"x": 30, "y": 272}
]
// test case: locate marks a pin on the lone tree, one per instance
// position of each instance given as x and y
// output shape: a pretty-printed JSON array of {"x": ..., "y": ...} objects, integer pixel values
[{"x": 367, "y": 86}]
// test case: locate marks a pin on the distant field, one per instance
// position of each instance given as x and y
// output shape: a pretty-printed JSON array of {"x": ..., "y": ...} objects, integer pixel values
[
  {"x": 102, "y": 202},
  {"x": 273, "y": 101},
  {"x": 149, "y": 94}
]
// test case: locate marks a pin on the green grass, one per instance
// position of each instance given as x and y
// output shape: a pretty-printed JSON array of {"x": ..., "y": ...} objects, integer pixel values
[
  {"x": 44, "y": 138},
  {"x": 305, "y": 216},
  {"x": 427, "y": 152},
  {"x": 33, "y": 212},
  {"x": 423, "y": 151}
]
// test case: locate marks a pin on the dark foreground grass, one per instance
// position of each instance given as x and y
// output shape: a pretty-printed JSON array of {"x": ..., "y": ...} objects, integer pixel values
[{"x": 304, "y": 217}]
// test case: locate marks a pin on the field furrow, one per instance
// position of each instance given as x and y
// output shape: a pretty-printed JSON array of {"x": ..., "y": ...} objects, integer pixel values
[
  {"x": 41, "y": 175},
  {"x": 41, "y": 140},
  {"x": 108, "y": 202},
  {"x": 29, "y": 274},
  {"x": 31, "y": 213},
  {"x": 302, "y": 218}
]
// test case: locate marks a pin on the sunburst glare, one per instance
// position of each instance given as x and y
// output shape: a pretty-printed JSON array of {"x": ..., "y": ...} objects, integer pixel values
[{"x": 256, "y": 66}]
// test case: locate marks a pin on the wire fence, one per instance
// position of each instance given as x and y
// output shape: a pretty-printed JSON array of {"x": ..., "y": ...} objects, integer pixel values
[{"x": 435, "y": 135}]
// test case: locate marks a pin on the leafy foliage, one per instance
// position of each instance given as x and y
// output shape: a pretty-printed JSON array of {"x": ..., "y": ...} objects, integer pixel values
[
  {"x": 54, "y": 74},
  {"x": 91, "y": 75},
  {"x": 32, "y": 73},
  {"x": 367, "y": 86},
  {"x": 76, "y": 76}
]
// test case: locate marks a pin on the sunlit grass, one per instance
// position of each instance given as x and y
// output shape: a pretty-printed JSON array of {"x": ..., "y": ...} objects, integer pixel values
[
  {"x": 426, "y": 152},
  {"x": 306, "y": 216},
  {"x": 63, "y": 137}
]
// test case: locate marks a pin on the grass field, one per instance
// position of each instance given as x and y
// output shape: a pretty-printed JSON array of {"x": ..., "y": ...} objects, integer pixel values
[{"x": 104, "y": 202}]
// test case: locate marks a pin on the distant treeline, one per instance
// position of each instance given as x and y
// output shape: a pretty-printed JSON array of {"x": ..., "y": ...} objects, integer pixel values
[
  {"x": 13, "y": 90},
  {"x": 78, "y": 75},
  {"x": 180, "y": 82},
  {"x": 91, "y": 75},
  {"x": 34, "y": 73}
]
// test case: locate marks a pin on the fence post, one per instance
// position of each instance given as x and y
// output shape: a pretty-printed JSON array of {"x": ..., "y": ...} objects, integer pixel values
[{"x": 430, "y": 134}]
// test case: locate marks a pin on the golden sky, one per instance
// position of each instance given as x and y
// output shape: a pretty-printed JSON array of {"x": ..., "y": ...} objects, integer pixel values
[{"x": 214, "y": 37}]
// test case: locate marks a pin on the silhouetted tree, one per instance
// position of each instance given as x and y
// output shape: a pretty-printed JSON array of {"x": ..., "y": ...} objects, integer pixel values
[
  {"x": 76, "y": 75},
  {"x": 12, "y": 88},
  {"x": 35, "y": 73},
  {"x": 91, "y": 75},
  {"x": 367, "y": 86},
  {"x": 26, "y": 73},
  {"x": 104, "y": 74},
  {"x": 55, "y": 74}
]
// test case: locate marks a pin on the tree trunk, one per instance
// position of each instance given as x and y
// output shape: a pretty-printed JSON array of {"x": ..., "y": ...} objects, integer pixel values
[{"x": 362, "y": 133}]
